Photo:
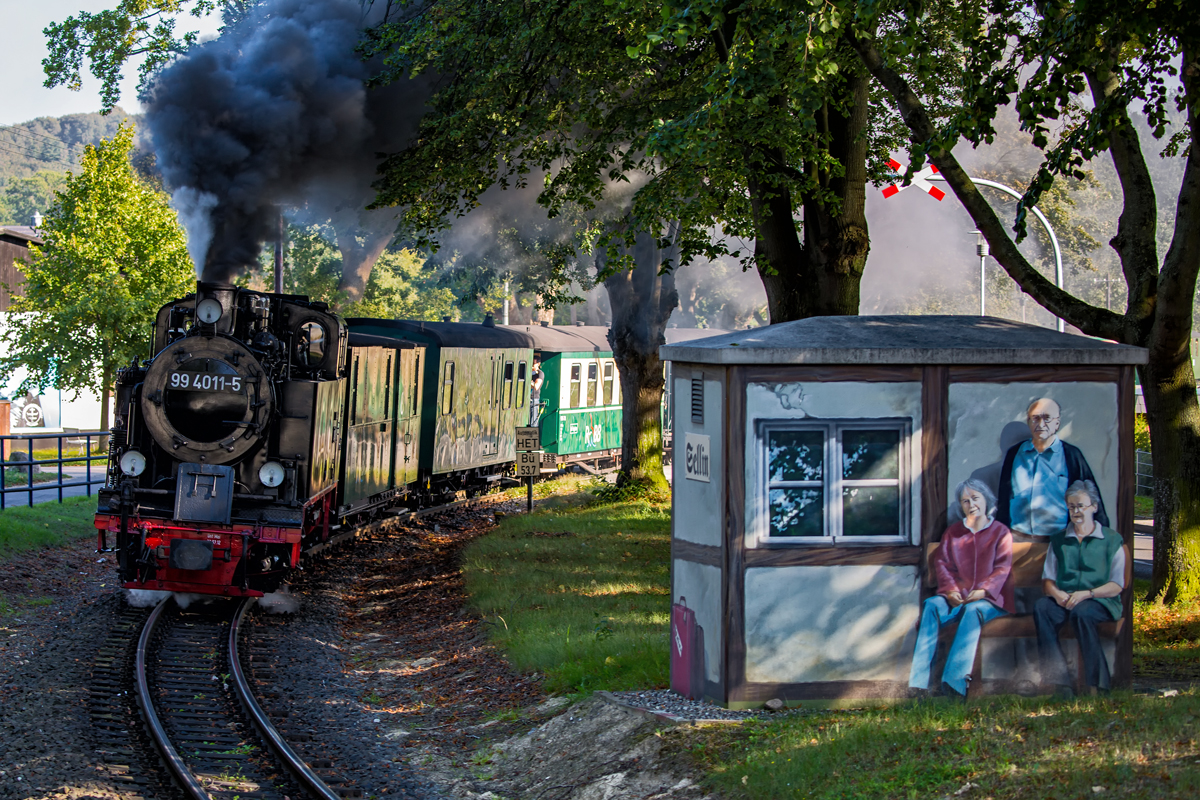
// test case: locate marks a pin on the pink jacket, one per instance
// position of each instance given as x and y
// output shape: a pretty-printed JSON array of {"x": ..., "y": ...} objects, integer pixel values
[{"x": 968, "y": 561}]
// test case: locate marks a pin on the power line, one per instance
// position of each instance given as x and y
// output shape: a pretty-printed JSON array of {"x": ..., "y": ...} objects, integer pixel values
[
  {"x": 38, "y": 158},
  {"x": 25, "y": 131},
  {"x": 32, "y": 151}
]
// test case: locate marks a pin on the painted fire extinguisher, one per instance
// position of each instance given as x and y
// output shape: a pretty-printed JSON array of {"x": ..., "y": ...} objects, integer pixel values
[{"x": 687, "y": 651}]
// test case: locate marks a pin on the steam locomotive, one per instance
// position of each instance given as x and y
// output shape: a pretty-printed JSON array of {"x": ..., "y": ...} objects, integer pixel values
[
  {"x": 265, "y": 423},
  {"x": 265, "y": 426}
]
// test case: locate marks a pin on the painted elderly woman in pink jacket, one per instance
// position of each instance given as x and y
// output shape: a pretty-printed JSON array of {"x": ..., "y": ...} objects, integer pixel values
[{"x": 973, "y": 566}]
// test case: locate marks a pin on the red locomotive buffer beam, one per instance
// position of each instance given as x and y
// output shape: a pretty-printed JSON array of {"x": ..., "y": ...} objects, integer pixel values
[{"x": 203, "y": 560}]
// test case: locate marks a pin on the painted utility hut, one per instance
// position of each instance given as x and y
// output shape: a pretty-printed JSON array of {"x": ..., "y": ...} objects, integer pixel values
[{"x": 818, "y": 471}]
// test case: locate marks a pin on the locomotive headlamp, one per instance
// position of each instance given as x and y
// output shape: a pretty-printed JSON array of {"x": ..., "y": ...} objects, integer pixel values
[
  {"x": 133, "y": 463},
  {"x": 271, "y": 474},
  {"x": 209, "y": 310}
]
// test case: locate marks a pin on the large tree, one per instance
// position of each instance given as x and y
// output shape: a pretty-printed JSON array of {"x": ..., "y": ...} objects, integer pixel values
[
  {"x": 1077, "y": 72},
  {"x": 113, "y": 254}
]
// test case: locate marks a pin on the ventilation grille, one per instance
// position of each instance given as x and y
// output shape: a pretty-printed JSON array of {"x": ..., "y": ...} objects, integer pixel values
[{"x": 698, "y": 400}]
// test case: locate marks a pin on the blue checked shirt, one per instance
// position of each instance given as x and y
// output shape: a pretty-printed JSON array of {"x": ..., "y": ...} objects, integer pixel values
[{"x": 1039, "y": 485}]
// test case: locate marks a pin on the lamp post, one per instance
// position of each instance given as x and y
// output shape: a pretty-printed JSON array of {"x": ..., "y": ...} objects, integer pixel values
[
  {"x": 983, "y": 251},
  {"x": 1037, "y": 212}
]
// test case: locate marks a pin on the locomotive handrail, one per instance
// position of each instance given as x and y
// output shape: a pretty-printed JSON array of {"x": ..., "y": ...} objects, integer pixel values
[
  {"x": 308, "y": 779},
  {"x": 170, "y": 755},
  {"x": 30, "y": 464}
]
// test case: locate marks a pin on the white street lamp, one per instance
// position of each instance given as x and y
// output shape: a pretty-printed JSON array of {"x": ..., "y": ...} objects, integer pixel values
[{"x": 1037, "y": 212}]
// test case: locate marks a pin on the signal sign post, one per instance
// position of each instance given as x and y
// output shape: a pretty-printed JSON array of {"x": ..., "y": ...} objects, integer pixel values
[{"x": 529, "y": 457}]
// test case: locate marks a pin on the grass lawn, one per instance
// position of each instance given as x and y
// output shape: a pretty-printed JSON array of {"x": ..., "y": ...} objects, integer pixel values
[
  {"x": 1122, "y": 745},
  {"x": 578, "y": 590},
  {"x": 45, "y": 525}
]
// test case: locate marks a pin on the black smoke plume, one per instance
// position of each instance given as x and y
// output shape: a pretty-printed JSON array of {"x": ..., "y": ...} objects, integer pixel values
[{"x": 275, "y": 112}]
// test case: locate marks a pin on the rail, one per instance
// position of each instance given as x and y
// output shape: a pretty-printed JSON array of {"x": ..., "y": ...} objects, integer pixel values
[
  {"x": 295, "y": 765},
  {"x": 17, "y": 453}
]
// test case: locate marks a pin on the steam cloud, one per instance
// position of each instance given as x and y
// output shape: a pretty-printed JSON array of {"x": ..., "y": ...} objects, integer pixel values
[{"x": 275, "y": 112}]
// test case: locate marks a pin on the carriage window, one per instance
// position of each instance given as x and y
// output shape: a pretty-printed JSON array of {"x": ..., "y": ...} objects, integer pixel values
[
  {"x": 521, "y": 385},
  {"x": 448, "y": 388},
  {"x": 416, "y": 380},
  {"x": 574, "y": 397},
  {"x": 592, "y": 381},
  {"x": 835, "y": 480},
  {"x": 610, "y": 393},
  {"x": 508, "y": 384}
]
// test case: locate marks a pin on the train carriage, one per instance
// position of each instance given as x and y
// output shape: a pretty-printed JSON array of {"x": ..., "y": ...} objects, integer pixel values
[
  {"x": 580, "y": 418},
  {"x": 476, "y": 393}
]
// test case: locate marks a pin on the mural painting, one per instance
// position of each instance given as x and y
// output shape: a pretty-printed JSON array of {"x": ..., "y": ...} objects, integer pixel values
[{"x": 1029, "y": 572}]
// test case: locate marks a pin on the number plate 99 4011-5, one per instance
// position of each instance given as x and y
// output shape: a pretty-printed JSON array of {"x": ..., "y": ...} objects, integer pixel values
[{"x": 205, "y": 382}]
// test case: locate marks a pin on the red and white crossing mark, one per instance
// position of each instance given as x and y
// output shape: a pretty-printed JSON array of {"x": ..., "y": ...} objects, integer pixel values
[{"x": 920, "y": 180}]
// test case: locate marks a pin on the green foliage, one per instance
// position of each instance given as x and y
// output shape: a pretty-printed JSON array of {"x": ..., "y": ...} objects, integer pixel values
[
  {"x": 578, "y": 591},
  {"x": 23, "y": 528},
  {"x": 113, "y": 254},
  {"x": 107, "y": 40},
  {"x": 1141, "y": 433},
  {"x": 400, "y": 286},
  {"x": 52, "y": 143},
  {"x": 1006, "y": 748},
  {"x": 22, "y": 197}
]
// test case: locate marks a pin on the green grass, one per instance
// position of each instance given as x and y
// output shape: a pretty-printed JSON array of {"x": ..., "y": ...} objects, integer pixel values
[
  {"x": 1131, "y": 746},
  {"x": 1143, "y": 507},
  {"x": 19, "y": 476},
  {"x": 578, "y": 590},
  {"x": 45, "y": 525}
]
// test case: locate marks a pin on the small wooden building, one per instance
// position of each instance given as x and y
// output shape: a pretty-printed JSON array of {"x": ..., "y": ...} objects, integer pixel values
[
  {"x": 15, "y": 241},
  {"x": 816, "y": 470}
]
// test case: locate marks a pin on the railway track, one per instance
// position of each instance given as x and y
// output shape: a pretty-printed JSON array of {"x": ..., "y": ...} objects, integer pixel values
[{"x": 174, "y": 687}]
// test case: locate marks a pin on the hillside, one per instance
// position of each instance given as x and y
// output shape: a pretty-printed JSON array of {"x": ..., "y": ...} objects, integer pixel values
[
  {"x": 36, "y": 155},
  {"x": 51, "y": 143}
]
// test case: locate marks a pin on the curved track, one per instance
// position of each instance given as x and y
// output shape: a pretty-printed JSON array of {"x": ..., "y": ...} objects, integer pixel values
[{"x": 195, "y": 700}]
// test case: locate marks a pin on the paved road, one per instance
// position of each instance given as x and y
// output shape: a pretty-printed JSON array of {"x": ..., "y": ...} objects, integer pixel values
[{"x": 70, "y": 473}]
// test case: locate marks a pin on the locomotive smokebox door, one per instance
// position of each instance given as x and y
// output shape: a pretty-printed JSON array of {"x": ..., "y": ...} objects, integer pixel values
[{"x": 204, "y": 493}]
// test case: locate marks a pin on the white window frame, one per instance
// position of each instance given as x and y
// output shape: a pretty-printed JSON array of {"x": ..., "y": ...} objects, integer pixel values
[{"x": 833, "y": 483}]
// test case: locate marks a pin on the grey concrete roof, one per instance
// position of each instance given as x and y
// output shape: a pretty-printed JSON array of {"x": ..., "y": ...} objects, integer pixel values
[
  {"x": 677, "y": 335},
  {"x": 902, "y": 340},
  {"x": 22, "y": 232}
]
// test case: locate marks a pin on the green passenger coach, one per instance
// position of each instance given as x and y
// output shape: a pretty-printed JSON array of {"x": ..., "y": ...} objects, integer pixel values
[{"x": 580, "y": 397}]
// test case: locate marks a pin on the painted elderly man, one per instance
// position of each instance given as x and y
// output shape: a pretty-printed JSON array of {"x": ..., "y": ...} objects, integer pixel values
[
  {"x": 973, "y": 566},
  {"x": 1083, "y": 578},
  {"x": 1036, "y": 473}
]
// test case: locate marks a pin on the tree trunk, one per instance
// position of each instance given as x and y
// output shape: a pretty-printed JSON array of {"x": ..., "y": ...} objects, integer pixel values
[
  {"x": 821, "y": 274},
  {"x": 1173, "y": 413},
  {"x": 106, "y": 378},
  {"x": 358, "y": 259},
  {"x": 642, "y": 302}
]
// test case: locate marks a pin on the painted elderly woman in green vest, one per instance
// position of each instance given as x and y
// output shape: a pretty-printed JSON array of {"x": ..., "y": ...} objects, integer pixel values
[{"x": 1083, "y": 578}]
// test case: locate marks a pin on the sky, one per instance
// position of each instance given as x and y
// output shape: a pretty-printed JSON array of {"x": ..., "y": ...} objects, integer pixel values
[{"x": 21, "y": 77}]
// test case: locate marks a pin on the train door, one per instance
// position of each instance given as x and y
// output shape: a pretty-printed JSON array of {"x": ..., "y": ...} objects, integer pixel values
[
  {"x": 408, "y": 432},
  {"x": 369, "y": 432}
]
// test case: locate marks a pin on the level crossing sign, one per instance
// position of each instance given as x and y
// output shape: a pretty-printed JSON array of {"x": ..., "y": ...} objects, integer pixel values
[{"x": 920, "y": 180}]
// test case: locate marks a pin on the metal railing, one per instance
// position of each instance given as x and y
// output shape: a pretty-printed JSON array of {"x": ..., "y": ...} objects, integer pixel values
[
  {"x": 17, "y": 453},
  {"x": 1144, "y": 473}
]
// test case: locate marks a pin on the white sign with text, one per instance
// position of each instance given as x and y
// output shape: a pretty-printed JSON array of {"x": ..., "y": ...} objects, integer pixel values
[{"x": 696, "y": 461}]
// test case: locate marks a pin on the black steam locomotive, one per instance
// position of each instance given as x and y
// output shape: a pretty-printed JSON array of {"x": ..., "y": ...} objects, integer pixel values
[{"x": 264, "y": 423}]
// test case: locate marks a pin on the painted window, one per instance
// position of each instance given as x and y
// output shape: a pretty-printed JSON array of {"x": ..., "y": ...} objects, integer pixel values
[
  {"x": 416, "y": 378},
  {"x": 610, "y": 384},
  {"x": 508, "y": 384},
  {"x": 521, "y": 369},
  {"x": 593, "y": 379},
  {"x": 573, "y": 397},
  {"x": 831, "y": 480},
  {"x": 448, "y": 388}
]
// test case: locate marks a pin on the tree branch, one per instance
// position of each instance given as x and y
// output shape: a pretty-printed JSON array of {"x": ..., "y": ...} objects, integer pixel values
[{"x": 1088, "y": 318}]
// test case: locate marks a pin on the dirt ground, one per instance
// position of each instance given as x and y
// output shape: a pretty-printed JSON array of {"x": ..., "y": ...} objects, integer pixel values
[{"x": 442, "y": 699}]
